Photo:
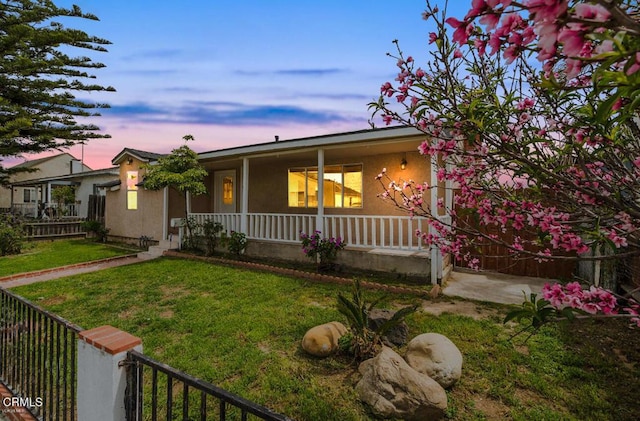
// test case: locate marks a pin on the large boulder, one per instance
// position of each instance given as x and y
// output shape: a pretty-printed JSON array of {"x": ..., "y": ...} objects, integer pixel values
[
  {"x": 322, "y": 340},
  {"x": 397, "y": 335},
  {"x": 436, "y": 356},
  {"x": 392, "y": 389}
]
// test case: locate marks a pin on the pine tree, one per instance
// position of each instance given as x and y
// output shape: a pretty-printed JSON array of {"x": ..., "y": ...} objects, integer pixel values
[{"x": 39, "y": 80}]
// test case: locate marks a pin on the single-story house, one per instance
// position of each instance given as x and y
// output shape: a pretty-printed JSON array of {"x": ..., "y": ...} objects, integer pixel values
[
  {"x": 274, "y": 191},
  {"x": 86, "y": 184}
]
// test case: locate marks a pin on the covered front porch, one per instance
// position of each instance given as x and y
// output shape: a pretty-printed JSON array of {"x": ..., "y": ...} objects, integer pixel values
[{"x": 273, "y": 192}]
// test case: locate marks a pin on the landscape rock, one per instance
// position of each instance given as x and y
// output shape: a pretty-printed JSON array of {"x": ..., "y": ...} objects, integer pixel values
[
  {"x": 392, "y": 389},
  {"x": 322, "y": 340},
  {"x": 397, "y": 336},
  {"x": 436, "y": 356}
]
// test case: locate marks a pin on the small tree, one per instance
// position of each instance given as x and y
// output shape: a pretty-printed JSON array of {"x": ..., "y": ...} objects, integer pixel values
[
  {"x": 532, "y": 107},
  {"x": 63, "y": 195},
  {"x": 180, "y": 170},
  {"x": 551, "y": 151}
]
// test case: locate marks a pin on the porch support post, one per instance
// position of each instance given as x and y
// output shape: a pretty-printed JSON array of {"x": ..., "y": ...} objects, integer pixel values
[
  {"x": 320, "y": 217},
  {"x": 244, "y": 203},
  {"x": 165, "y": 213},
  {"x": 435, "y": 251}
]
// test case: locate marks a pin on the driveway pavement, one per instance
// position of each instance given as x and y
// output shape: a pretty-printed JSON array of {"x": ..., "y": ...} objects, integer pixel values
[{"x": 493, "y": 287}]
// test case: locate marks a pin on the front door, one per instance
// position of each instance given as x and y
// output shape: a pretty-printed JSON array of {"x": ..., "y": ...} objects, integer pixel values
[{"x": 224, "y": 190}]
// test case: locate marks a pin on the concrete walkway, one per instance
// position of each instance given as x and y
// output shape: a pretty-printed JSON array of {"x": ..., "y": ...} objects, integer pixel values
[
  {"x": 49, "y": 274},
  {"x": 492, "y": 287}
]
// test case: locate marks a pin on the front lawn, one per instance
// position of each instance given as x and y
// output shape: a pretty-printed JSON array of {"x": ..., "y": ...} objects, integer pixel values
[
  {"x": 39, "y": 255},
  {"x": 242, "y": 330}
]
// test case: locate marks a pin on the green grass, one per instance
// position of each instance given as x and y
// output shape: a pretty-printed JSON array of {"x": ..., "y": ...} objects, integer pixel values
[
  {"x": 241, "y": 330},
  {"x": 39, "y": 255}
]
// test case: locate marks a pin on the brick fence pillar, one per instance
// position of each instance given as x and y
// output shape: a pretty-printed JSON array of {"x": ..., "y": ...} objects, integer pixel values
[{"x": 101, "y": 379}]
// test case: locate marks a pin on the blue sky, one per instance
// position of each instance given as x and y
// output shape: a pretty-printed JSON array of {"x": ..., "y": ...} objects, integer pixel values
[{"x": 240, "y": 72}]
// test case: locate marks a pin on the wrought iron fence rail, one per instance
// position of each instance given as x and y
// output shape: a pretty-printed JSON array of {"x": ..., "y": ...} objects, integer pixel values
[
  {"x": 136, "y": 393},
  {"x": 38, "y": 351}
]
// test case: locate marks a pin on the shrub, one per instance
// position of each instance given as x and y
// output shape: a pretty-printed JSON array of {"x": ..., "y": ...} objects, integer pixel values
[
  {"x": 211, "y": 231},
  {"x": 11, "y": 235},
  {"x": 235, "y": 242},
  {"x": 97, "y": 229},
  {"x": 361, "y": 341},
  {"x": 191, "y": 240},
  {"x": 321, "y": 250}
]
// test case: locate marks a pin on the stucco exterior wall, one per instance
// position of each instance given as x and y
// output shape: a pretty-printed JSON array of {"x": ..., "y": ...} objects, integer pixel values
[
  {"x": 268, "y": 184},
  {"x": 146, "y": 220}
]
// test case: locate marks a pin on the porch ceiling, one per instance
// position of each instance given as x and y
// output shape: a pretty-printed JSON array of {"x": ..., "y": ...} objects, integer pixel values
[{"x": 331, "y": 153}]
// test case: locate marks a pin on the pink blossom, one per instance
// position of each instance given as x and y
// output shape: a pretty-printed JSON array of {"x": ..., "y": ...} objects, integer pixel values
[
  {"x": 387, "y": 89},
  {"x": 462, "y": 30},
  {"x": 490, "y": 20},
  {"x": 432, "y": 37},
  {"x": 480, "y": 45},
  {"x": 593, "y": 12},
  {"x": 635, "y": 66},
  {"x": 572, "y": 41},
  {"x": 477, "y": 8}
]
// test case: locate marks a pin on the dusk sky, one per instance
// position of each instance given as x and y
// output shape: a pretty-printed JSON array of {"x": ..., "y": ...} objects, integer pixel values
[{"x": 233, "y": 73}]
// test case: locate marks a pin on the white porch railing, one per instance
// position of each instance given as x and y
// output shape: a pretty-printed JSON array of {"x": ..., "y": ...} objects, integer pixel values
[
  {"x": 370, "y": 231},
  {"x": 230, "y": 221},
  {"x": 45, "y": 210}
]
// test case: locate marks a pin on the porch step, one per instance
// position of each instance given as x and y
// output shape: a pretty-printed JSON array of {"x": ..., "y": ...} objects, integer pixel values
[
  {"x": 169, "y": 244},
  {"x": 400, "y": 252},
  {"x": 153, "y": 253}
]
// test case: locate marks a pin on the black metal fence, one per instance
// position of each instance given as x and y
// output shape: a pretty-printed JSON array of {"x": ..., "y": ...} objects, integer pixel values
[
  {"x": 38, "y": 358},
  {"x": 156, "y": 391}
]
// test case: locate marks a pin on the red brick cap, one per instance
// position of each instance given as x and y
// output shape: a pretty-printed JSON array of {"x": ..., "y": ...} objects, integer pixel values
[{"x": 110, "y": 339}]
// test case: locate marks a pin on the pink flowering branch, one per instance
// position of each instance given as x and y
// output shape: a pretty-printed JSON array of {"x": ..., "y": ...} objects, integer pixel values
[
  {"x": 569, "y": 302},
  {"x": 555, "y": 163}
]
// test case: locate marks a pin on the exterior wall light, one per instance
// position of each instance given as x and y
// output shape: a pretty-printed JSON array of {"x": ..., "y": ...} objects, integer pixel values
[{"x": 403, "y": 163}]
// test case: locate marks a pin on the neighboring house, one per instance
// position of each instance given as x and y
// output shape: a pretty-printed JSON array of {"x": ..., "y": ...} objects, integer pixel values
[
  {"x": 272, "y": 192},
  {"x": 24, "y": 198},
  {"x": 86, "y": 184}
]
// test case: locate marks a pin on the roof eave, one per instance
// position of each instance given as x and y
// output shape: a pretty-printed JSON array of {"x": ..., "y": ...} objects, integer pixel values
[{"x": 312, "y": 142}]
